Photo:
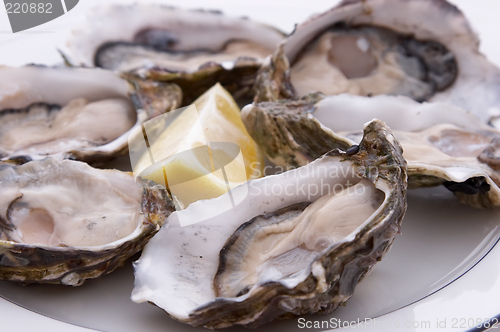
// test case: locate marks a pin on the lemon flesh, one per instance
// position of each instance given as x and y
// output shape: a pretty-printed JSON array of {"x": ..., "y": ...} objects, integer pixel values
[{"x": 204, "y": 152}]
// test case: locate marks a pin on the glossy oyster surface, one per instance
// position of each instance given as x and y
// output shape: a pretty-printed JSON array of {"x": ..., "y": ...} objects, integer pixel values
[
  {"x": 381, "y": 47},
  {"x": 63, "y": 221},
  {"x": 286, "y": 249},
  {"x": 192, "y": 48},
  {"x": 74, "y": 113},
  {"x": 443, "y": 144}
]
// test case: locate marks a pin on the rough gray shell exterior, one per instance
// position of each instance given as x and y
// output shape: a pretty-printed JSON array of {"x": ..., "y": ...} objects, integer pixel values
[
  {"x": 287, "y": 133},
  {"x": 238, "y": 81},
  {"x": 273, "y": 78}
]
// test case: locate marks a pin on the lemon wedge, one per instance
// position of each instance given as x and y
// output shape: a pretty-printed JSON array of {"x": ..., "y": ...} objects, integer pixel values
[{"x": 203, "y": 151}]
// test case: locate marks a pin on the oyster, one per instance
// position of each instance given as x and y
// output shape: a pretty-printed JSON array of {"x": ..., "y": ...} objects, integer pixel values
[
  {"x": 83, "y": 114},
  {"x": 287, "y": 249},
  {"x": 443, "y": 144},
  {"x": 63, "y": 221},
  {"x": 381, "y": 47},
  {"x": 192, "y": 48}
]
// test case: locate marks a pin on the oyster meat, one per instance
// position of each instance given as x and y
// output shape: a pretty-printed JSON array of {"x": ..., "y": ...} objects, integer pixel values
[
  {"x": 443, "y": 144},
  {"x": 83, "y": 114},
  {"x": 381, "y": 47},
  {"x": 192, "y": 48},
  {"x": 297, "y": 243},
  {"x": 63, "y": 221}
]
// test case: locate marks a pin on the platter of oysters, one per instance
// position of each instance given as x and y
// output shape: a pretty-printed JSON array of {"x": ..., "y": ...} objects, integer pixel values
[{"x": 278, "y": 166}]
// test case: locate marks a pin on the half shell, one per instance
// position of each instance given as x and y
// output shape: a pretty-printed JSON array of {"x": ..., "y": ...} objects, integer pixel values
[
  {"x": 284, "y": 249},
  {"x": 192, "y": 48},
  {"x": 423, "y": 49},
  {"x": 442, "y": 144},
  {"x": 75, "y": 113},
  {"x": 63, "y": 221}
]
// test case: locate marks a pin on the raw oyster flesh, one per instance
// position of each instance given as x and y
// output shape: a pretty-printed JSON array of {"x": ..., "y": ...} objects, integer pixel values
[
  {"x": 75, "y": 113},
  {"x": 442, "y": 144},
  {"x": 62, "y": 221},
  {"x": 286, "y": 249},
  {"x": 192, "y": 48},
  {"x": 381, "y": 47}
]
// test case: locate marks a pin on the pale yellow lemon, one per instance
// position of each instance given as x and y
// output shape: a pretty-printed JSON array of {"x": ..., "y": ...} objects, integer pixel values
[{"x": 187, "y": 157}]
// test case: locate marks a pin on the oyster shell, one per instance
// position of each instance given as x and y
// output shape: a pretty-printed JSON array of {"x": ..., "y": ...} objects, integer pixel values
[
  {"x": 63, "y": 221},
  {"x": 286, "y": 249},
  {"x": 443, "y": 144},
  {"x": 192, "y": 48},
  {"x": 74, "y": 113},
  {"x": 381, "y": 47}
]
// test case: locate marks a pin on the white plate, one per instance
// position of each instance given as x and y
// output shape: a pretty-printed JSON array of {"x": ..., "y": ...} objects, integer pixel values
[{"x": 436, "y": 271}]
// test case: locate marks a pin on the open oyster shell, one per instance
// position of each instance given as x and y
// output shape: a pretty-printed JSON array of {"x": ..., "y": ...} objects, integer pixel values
[
  {"x": 63, "y": 221},
  {"x": 75, "y": 113},
  {"x": 381, "y": 47},
  {"x": 192, "y": 48},
  {"x": 443, "y": 144},
  {"x": 286, "y": 249}
]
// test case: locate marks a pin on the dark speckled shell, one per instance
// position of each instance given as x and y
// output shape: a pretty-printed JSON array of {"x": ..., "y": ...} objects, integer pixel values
[{"x": 287, "y": 134}]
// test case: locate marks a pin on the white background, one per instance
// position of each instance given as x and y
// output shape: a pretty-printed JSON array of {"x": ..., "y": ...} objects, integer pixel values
[{"x": 37, "y": 45}]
